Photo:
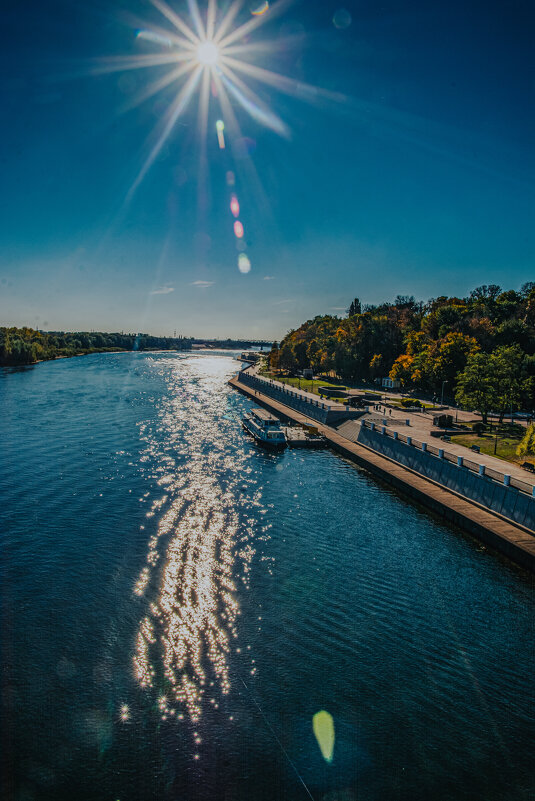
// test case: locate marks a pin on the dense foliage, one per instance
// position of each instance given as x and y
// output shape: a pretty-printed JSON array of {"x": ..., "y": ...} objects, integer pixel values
[
  {"x": 26, "y": 345},
  {"x": 480, "y": 348},
  {"x": 527, "y": 445}
]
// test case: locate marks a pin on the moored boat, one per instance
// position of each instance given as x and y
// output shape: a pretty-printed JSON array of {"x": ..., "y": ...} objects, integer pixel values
[{"x": 266, "y": 429}]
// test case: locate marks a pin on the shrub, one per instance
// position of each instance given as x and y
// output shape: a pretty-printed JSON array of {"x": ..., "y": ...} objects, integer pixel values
[
  {"x": 478, "y": 428},
  {"x": 526, "y": 446},
  {"x": 410, "y": 402}
]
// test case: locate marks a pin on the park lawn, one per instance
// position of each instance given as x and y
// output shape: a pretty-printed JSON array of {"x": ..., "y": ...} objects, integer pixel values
[
  {"x": 305, "y": 384},
  {"x": 505, "y": 450}
]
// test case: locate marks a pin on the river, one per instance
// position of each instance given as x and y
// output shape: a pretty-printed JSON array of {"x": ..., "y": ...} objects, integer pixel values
[{"x": 177, "y": 605}]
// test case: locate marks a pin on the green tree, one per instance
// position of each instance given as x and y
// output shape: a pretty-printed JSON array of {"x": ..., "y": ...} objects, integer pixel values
[
  {"x": 526, "y": 446},
  {"x": 506, "y": 367},
  {"x": 354, "y": 308},
  {"x": 287, "y": 359},
  {"x": 377, "y": 365},
  {"x": 274, "y": 357},
  {"x": 475, "y": 385}
]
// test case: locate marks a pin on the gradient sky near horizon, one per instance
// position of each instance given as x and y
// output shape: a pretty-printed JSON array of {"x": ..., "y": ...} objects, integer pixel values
[{"x": 413, "y": 173}]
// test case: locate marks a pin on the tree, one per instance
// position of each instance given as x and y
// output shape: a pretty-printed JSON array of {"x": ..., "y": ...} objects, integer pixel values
[
  {"x": 506, "y": 367},
  {"x": 287, "y": 360},
  {"x": 530, "y": 305},
  {"x": 485, "y": 292},
  {"x": 405, "y": 301},
  {"x": 475, "y": 385},
  {"x": 447, "y": 357},
  {"x": 300, "y": 353},
  {"x": 526, "y": 446},
  {"x": 274, "y": 357},
  {"x": 403, "y": 370},
  {"x": 377, "y": 365},
  {"x": 354, "y": 308}
]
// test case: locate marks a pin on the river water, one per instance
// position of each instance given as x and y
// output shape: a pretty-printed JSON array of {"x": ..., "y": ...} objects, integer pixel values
[{"x": 177, "y": 605}]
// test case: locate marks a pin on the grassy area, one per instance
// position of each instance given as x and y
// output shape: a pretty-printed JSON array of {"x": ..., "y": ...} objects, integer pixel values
[
  {"x": 506, "y": 445},
  {"x": 305, "y": 384}
]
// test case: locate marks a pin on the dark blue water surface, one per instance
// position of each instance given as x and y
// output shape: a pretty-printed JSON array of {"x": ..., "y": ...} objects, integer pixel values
[{"x": 177, "y": 605}]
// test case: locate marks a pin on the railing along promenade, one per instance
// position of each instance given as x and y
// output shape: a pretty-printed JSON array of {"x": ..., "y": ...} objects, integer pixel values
[
  {"x": 461, "y": 461},
  {"x": 500, "y": 492},
  {"x": 323, "y": 411}
]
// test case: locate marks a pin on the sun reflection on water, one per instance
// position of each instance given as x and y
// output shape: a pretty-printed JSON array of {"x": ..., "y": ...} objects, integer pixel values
[{"x": 202, "y": 547}]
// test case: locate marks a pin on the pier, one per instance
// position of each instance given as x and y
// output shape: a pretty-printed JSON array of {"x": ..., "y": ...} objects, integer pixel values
[
  {"x": 515, "y": 541},
  {"x": 298, "y": 437}
]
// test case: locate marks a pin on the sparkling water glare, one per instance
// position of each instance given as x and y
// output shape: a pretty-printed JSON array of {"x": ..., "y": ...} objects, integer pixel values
[{"x": 187, "y": 617}]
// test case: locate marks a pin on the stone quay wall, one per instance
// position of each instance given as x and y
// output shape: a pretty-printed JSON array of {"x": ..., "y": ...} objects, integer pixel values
[
  {"x": 319, "y": 410},
  {"x": 504, "y": 500}
]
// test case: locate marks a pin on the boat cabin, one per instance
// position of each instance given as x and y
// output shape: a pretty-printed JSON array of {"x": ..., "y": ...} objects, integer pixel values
[{"x": 265, "y": 418}]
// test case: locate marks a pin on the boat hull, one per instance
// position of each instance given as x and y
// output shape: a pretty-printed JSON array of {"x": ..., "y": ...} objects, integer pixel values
[{"x": 269, "y": 445}]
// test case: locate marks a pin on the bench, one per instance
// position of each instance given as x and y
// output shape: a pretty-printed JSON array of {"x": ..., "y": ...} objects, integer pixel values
[
  {"x": 475, "y": 448},
  {"x": 528, "y": 466}
]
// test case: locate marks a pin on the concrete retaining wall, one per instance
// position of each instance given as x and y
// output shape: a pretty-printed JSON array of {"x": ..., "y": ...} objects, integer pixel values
[
  {"x": 319, "y": 410},
  {"x": 507, "y": 501}
]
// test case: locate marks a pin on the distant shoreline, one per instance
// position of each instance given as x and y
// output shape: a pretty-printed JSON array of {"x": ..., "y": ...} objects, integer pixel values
[
  {"x": 20, "y": 346},
  {"x": 119, "y": 350}
]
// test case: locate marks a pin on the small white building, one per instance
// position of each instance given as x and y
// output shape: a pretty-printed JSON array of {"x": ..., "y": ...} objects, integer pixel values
[{"x": 390, "y": 383}]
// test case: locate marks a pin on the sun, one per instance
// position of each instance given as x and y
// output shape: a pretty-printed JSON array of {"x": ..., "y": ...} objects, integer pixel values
[
  {"x": 212, "y": 58},
  {"x": 208, "y": 53}
]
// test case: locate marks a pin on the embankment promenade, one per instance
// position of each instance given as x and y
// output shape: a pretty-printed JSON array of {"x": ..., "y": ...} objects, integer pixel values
[{"x": 510, "y": 538}]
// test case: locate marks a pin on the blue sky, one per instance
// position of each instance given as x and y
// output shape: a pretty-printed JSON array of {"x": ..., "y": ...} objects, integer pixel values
[{"x": 411, "y": 172}]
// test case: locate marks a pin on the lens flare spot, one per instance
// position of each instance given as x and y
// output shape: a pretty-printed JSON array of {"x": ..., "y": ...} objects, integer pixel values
[
  {"x": 342, "y": 19},
  {"x": 207, "y": 53},
  {"x": 238, "y": 229},
  {"x": 234, "y": 206},
  {"x": 220, "y": 128},
  {"x": 257, "y": 9},
  {"x": 156, "y": 38},
  {"x": 244, "y": 264},
  {"x": 323, "y": 728},
  {"x": 231, "y": 178}
]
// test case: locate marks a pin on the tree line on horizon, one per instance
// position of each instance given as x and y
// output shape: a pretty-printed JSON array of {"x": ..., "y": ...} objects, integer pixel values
[
  {"x": 479, "y": 349},
  {"x": 19, "y": 346}
]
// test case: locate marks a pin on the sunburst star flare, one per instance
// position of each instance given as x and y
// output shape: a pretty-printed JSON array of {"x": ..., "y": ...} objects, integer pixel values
[{"x": 213, "y": 47}]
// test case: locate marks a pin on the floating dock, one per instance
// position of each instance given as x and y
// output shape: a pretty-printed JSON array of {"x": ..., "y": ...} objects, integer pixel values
[{"x": 301, "y": 438}]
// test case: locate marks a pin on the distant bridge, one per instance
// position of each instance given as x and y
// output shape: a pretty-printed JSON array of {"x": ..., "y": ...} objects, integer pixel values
[{"x": 234, "y": 344}]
